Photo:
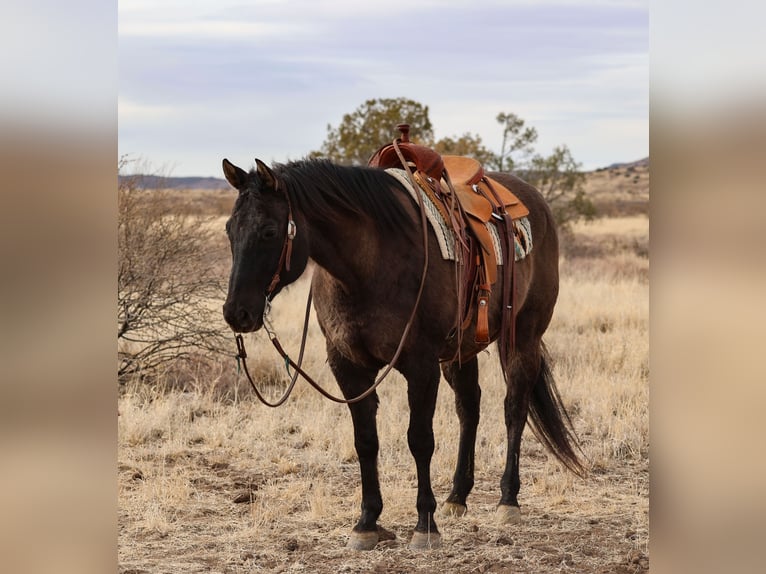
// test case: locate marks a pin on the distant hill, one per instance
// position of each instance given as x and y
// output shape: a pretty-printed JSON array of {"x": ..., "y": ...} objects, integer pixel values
[
  {"x": 640, "y": 163},
  {"x": 215, "y": 183},
  {"x": 159, "y": 182},
  {"x": 620, "y": 189}
]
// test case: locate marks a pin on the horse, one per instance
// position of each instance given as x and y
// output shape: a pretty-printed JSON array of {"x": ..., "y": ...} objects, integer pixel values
[{"x": 363, "y": 232}]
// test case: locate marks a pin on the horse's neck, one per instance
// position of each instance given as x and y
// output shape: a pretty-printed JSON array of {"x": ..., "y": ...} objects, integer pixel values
[{"x": 346, "y": 251}]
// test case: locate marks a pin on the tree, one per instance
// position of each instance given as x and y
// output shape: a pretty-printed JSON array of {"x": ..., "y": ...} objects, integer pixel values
[
  {"x": 371, "y": 125},
  {"x": 558, "y": 176},
  {"x": 168, "y": 290},
  {"x": 562, "y": 183},
  {"x": 516, "y": 138}
]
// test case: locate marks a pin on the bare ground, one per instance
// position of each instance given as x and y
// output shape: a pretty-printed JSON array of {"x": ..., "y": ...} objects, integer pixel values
[{"x": 599, "y": 525}]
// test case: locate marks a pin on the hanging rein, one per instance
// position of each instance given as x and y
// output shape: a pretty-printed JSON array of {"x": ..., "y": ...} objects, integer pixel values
[{"x": 284, "y": 264}]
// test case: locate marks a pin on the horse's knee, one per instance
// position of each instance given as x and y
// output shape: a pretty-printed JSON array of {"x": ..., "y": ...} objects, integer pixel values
[{"x": 421, "y": 443}]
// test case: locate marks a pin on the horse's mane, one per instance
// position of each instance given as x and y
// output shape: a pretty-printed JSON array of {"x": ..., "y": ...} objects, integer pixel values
[{"x": 329, "y": 191}]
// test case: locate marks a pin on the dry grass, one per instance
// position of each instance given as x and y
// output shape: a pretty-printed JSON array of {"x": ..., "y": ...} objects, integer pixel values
[{"x": 186, "y": 455}]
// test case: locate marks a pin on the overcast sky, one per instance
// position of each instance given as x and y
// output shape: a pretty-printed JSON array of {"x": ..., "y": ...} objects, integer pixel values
[{"x": 205, "y": 79}]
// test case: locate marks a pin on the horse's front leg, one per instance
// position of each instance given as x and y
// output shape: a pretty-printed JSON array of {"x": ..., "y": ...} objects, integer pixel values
[
  {"x": 353, "y": 381},
  {"x": 423, "y": 384}
]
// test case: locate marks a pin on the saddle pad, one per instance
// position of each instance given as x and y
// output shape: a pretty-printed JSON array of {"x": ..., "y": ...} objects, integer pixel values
[
  {"x": 444, "y": 234},
  {"x": 446, "y": 237}
]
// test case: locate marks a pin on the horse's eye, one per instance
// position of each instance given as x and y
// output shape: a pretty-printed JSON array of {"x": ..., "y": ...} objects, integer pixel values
[{"x": 269, "y": 233}]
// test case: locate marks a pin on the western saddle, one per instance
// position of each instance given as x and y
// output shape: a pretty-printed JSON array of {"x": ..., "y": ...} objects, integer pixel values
[{"x": 467, "y": 200}]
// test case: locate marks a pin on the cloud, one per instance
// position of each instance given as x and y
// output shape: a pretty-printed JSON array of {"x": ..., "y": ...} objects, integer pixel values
[
  {"x": 294, "y": 67},
  {"x": 226, "y": 30}
]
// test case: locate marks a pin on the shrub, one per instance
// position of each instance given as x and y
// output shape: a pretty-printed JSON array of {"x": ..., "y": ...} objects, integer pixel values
[{"x": 169, "y": 292}]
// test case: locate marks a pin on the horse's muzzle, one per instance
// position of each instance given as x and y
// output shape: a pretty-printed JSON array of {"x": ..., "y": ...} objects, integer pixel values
[{"x": 241, "y": 319}]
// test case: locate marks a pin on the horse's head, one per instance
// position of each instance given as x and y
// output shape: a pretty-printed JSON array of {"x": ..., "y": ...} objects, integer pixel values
[{"x": 265, "y": 256}]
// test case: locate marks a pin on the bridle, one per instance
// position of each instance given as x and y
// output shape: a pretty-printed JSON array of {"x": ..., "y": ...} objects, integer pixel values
[
  {"x": 287, "y": 250},
  {"x": 284, "y": 265}
]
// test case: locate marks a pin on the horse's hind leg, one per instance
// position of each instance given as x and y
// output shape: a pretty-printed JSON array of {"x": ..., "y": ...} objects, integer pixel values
[
  {"x": 464, "y": 381},
  {"x": 532, "y": 391},
  {"x": 522, "y": 376},
  {"x": 353, "y": 380}
]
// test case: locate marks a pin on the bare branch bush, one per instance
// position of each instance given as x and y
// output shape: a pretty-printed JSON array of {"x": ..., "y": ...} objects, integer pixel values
[{"x": 169, "y": 287}]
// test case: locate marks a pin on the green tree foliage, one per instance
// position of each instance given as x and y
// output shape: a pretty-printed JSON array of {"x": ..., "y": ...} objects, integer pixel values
[
  {"x": 371, "y": 125},
  {"x": 561, "y": 181},
  {"x": 558, "y": 176}
]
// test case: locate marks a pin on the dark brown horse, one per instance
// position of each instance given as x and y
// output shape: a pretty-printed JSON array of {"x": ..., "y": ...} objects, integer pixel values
[{"x": 363, "y": 231}]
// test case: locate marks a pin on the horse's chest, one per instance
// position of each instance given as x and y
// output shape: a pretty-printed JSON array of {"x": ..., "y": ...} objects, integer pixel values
[
  {"x": 342, "y": 322},
  {"x": 343, "y": 330}
]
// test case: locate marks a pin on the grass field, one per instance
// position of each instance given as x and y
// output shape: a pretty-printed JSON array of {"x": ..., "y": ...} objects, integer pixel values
[{"x": 212, "y": 481}]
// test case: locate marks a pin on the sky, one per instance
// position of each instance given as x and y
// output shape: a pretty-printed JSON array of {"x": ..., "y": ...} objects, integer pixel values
[{"x": 200, "y": 80}]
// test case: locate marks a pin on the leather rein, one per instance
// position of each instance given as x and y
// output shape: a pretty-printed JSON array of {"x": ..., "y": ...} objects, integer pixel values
[{"x": 284, "y": 264}]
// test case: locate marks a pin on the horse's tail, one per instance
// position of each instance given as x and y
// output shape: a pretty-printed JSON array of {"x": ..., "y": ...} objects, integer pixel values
[{"x": 550, "y": 420}]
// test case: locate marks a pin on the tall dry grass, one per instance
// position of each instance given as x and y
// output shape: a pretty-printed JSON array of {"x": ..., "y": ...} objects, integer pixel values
[{"x": 186, "y": 454}]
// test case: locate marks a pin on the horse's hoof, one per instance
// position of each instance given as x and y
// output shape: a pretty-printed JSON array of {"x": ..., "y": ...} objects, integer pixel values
[
  {"x": 362, "y": 540},
  {"x": 454, "y": 509},
  {"x": 508, "y": 514},
  {"x": 425, "y": 540}
]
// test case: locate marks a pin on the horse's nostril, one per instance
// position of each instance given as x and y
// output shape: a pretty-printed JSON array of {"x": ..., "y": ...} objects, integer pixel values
[
  {"x": 243, "y": 316},
  {"x": 235, "y": 315},
  {"x": 239, "y": 317}
]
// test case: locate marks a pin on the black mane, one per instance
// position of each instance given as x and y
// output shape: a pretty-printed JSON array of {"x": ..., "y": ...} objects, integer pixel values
[{"x": 324, "y": 189}]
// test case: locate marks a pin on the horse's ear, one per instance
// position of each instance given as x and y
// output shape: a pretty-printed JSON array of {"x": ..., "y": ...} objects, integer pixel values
[
  {"x": 267, "y": 176},
  {"x": 236, "y": 176}
]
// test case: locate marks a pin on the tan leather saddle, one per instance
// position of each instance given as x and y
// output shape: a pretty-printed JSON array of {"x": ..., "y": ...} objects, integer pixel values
[
  {"x": 468, "y": 200},
  {"x": 480, "y": 197}
]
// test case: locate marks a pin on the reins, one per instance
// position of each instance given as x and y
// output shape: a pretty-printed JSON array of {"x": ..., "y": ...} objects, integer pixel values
[{"x": 284, "y": 261}]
